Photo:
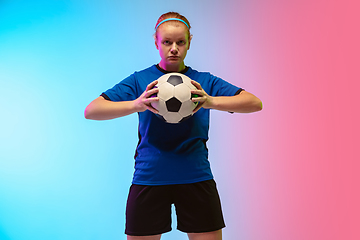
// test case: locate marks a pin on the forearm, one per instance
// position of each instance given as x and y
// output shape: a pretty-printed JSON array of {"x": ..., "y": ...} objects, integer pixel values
[
  {"x": 101, "y": 109},
  {"x": 244, "y": 102}
]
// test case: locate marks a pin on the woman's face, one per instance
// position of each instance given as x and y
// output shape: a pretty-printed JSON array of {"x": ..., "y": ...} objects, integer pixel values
[{"x": 172, "y": 41}]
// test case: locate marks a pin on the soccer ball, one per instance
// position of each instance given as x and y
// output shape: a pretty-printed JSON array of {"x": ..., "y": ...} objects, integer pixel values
[{"x": 175, "y": 96}]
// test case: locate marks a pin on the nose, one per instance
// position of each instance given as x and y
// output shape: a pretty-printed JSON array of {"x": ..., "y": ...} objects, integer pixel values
[{"x": 174, "y": 48}]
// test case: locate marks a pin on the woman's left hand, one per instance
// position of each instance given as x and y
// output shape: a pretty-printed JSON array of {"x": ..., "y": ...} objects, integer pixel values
[{"x": 203, "y": 98}]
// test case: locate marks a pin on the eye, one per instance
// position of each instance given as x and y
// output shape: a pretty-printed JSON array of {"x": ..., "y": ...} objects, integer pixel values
[
  {"x": 166, "y": 42},
  {"x": 181, "y": 42}
]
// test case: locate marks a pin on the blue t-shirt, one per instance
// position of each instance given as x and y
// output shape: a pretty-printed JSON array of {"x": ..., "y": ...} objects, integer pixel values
[{"x": 170, "y": 153}]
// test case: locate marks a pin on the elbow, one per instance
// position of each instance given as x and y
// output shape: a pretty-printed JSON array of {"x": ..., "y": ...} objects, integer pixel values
[
  {"x": 251, "y": 104},
  {"x": 93, "y": 110},
  {"x": 256, "y": 106},
  {"x": 87, "y": 113},
  {"x": 259, "y": 106}
]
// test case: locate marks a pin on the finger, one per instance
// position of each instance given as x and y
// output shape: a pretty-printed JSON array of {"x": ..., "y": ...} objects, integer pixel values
[
  {"x": 196, "y": 84},
  {"x": 197, "y": 107},
  {"x": 151, "y": 85},
  {"x": 150, "y": 108},
  {"x": 150, "y": 100},
  {"x": 151, "y": 92},
  {"x": 199, "y": 100},
  {"x": 197, "y": 92}
]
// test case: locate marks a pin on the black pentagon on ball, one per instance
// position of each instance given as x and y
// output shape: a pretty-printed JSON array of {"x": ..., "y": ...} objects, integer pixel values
[
  {"x": 173, "y": 104},
  {"x": 175, "y": 80}
]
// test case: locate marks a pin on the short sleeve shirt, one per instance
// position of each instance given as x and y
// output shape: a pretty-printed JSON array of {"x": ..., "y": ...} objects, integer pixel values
[{"x": 170, "y": 153}]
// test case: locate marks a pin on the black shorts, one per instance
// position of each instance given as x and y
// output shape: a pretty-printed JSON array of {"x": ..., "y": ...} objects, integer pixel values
[{"x": 198, "y": 208}]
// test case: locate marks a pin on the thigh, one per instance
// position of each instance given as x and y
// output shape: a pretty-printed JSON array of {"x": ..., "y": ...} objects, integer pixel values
[
  {"x": 148, "y": 210},
  {"x": 198, "y": 207}
]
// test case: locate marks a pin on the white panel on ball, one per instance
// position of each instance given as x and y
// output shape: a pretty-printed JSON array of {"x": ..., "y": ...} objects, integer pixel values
[
  {"x": 182, "y": 92},
  {"x": 173, "y": 117}
]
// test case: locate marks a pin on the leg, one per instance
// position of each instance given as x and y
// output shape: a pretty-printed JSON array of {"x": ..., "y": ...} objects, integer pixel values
[
  {"x": 148, "y": 212},
  {"x": 216, "y": 235},
  {"x": 198, "y": 209},
  {"x": 153, "y": 237}
]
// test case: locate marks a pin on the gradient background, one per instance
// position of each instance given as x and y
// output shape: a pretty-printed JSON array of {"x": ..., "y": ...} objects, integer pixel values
[{"x": 289, "y": 172}]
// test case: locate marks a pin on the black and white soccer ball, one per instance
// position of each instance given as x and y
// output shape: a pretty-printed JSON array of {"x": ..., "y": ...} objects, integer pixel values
[{"x": 175, "y": 104}]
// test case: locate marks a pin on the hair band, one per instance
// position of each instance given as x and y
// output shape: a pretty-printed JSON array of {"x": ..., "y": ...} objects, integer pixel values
[{"x": 170, "y": 19}]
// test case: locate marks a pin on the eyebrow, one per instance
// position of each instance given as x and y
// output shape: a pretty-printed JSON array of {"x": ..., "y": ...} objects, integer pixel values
[{"x": 179, "y": 39}]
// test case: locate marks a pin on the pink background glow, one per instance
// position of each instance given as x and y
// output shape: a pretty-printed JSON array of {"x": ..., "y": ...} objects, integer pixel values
[{"x": 299, "y": 174}]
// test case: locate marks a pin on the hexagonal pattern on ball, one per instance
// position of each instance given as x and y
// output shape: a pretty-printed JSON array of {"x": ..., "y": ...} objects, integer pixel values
[
  {"x": 182, "y": 92},
  {"x": 172, "y": 117},
  {"x": 160, "y": 106},
  {"x": 166, "y": 91},
  {"x": 186, "y": 108},
  {"x": 174, "y": 94}
]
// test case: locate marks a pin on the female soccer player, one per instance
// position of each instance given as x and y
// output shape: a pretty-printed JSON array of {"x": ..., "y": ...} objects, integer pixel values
[{"x": 171, "y": 160}]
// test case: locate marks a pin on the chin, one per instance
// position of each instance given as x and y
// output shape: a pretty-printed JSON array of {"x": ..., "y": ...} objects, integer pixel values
[{"x": 175, "y": 61}]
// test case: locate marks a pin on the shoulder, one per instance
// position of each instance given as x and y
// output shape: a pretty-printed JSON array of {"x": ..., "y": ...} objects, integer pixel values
[
  {"x": 147, "y": 75},
  {"x": 213, "y": 85},
  {"x": 195, "y": 74},
  {"x": 202, "y": 76},
  {"x": 144, "y": 76},
  {"x": 150, "y": 70}
]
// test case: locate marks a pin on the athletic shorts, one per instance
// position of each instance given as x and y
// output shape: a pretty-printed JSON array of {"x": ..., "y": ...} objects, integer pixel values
[{"x": 197, "y": 205}]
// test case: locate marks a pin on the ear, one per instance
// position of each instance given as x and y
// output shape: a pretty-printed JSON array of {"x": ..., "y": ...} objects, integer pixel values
[
  {"x": 156, "y": 44},
  {"x": 191, "y": 36}
]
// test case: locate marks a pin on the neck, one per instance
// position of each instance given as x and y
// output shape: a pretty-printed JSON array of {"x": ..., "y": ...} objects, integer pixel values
[{"x": 171, "y": 67}]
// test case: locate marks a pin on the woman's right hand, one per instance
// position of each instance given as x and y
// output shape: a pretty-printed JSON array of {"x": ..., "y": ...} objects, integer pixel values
[{"x": 143, "y": 102}]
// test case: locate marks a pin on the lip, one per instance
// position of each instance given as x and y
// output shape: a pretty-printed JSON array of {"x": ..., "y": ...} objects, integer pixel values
[{"x": 173, "y": 57}]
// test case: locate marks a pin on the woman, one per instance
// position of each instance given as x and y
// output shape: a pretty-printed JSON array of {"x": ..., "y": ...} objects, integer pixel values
[{"x": 171, "y": 160}]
